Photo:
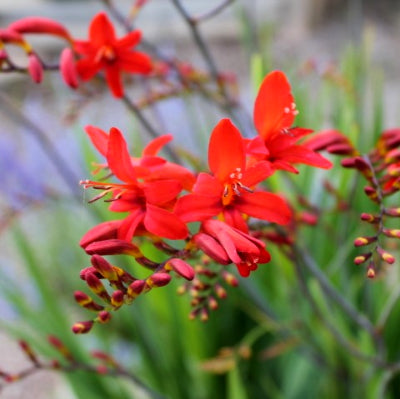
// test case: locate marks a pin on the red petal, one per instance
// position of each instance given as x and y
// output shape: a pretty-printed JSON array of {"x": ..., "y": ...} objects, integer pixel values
[
  {"x": 118, "y": 157},
  {"x": 113, "y": 79},
  {"x": 156, "y": 145},
  {"x": 99, "y": 138},
  {"x": 87, "y": 68},
  {"x": 208, "y": 185},
  {"x": 265, "y": 206},
  {"x": 68, "y": 69},
  {"x": 101, "y": 31},
  {"x": 161, "y": 192},
  {"x": 273, "y": 106},
  {"x": 226, "y": 150},
  {"x": 301, "y": 154},
  {"x": 194, "y": 207},
  {"x": 129, "y": 225},
  {"x": 164, "y": 224},
  {"x": 257, "y": 173},
  {"x": 135, "y": 62},
  {"x": 130, "y": 40}
]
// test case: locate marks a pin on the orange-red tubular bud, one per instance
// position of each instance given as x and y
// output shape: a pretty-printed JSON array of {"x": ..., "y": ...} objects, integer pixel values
[
  {"x": 68, "y": 68},
  {"x": 361, "y": 241},
  {"x": 89, "y": 270},
  {"x": 357, "y": 163},
  {"x": 220, "y": 291},
  {"x": 117, "y": 299},
  {"x": 136, "y": 288},
  {"x": 212, "y": 303},
  {"x": 358, "y": 260},
  {"x": 103, "y": 317},
  {"x": 391, "y": 233},
  {"x": 230, "y": 279},
  {"x": 59, "y": 345},
  {"x": 28, "y": 352},
  {"x": 158, "y": 280},
  {"x": 82, "y": 327},
  {"x": 85, "y": 301},
  {"x": 371, "y": 271},
  {"x": 97, "y": 287},
  {"x": 35, "y": 68},
  {"x": 371, "y": 193},
  {"x": 113, "y": 247},
  {"x": 104, "y": 268},
  {"x": 204, "y": 314},
  {"x": 40, "y": 25},
  {"x": 181, "y": 267},
  {"x": 212, "y": 248},
  {"x": 101, "y": 232},
  {"x": 394, "y": 212},
  {"x": 367, "y": 217},
  {"x": 386, "y": 256}
]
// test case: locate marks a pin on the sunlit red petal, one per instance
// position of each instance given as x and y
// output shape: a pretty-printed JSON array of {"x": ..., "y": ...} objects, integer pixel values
[
  {"x": 154, "y": 147},
  {"x": 130, "y": 224},
  {"x": 194, "y": 207},
  {"x": 208, "y": 185},
  {"x": 164, "y": 224},
  {"x": 87, "y": 68},
  {"x": 226, "y": 150},
  {"x": 162, "y": 191},
  {"x": 113, "y": 78},
  {"x": 130, "y": 40},
  {"x": 101, "y": 31},
  {"x": 257, "y": 173},
  {"x": 118, "y": 157},
  {"x": 99, "y": 138},
  {"x": 135, "y": 62},
  {"x": 301, "y": 154},
  {"x": 273, "y": 106},
  {"x": 265, "y": 206},
  {"x": 235, "y": 219}
]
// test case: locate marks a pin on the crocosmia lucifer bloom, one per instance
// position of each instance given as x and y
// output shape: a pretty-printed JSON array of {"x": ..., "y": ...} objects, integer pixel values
[
  {"x": 274, "y": 115},
  {"x": 148, "y": 203},
  {"x": 104, "y": 51},
  {"x": 229, "y": 190}
]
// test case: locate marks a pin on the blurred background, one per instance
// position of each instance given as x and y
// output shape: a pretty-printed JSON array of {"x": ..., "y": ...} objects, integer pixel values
[{"x": 43, "y": 215}]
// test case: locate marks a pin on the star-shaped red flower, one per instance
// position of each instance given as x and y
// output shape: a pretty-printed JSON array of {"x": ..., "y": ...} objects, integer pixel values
[{"x": 104, "y": 51}]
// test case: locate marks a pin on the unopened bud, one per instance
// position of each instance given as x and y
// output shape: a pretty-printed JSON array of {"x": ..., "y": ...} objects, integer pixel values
[
  {"x": 181, "y": 267},
  {"x": 86, "y": 301},
  {"x": 117, "y": 299},
  {"x": 35, "y": 68},
  {"x": 68, "y": 69},
  {"x": 82, "y": 327},
  {"x": 358, "y": 260},
  {"x": 371, "y": 272},
  {"x": 361, "y": 241},
  {"x": 367, "y": 217},
  {"x": 391, "y": 233},
  {"x": 212, "y": 248},
  {"x": 220, "y": 291},
  {"x": 104, "y": 268},
  {"x": 371, "y": 193},
  {"x": 204, "y": 315},
  {"x": 113, "y": 247},
  {"x": 101, "y": 232},
  {"x": 230, "y": 279},
  {"x": 97, "y": 287},
  {"x": 394, "y": 212},
  {"x": 60, "y": 346},
  {"x": 103, "y": 317},
  {"x": 212, "y": 303},
  {"x": 29, "y": 352},
  {"x": 386, "y": 256},
  {"x": 158, "y": 280},
  {"x": 136, "y": 288}
]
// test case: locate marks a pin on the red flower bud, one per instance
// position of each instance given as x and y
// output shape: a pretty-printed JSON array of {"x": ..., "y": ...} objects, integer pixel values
[
  {"x": 68, "y": 68},
  {"x": 35, "y": 68},
  {"x": 212, "y": 248},
  {"x": 101, "y": 232},
  {"x": 113, "y": 247},
  {"x": 117, "y": 299},
  {"x": 181, "y": 267},
  {"x": 103, "y": 317},
  {"x": 158, "y": 280},
  {"x": 361, "y": 241},
  {"x": 358, "y": 260},
  {"x": 82, "y": 327},
  {"x": 104, "y": 268},
  {"x": 386, "y": 256}
]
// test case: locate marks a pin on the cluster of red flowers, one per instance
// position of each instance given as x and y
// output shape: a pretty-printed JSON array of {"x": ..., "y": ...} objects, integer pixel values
[
  {"x": 82, "y": 59},
  {"x": 162, "y": 197}
]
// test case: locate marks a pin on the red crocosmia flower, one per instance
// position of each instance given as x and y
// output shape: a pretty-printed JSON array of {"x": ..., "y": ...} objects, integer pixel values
[
  {"x": 240, "y": 248},
  {"x": 149, "y": 166},
  {"x": 274, "y": 114},
  {"x": 229, "y": 190},
  {"x": 103, "y": 51},
  {"x": 149, "y": 203}
]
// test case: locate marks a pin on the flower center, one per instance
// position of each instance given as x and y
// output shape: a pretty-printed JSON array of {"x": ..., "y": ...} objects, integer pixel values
[
  {"x": 106, "y": 53},
  {"x": 234, "y": 187}
]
